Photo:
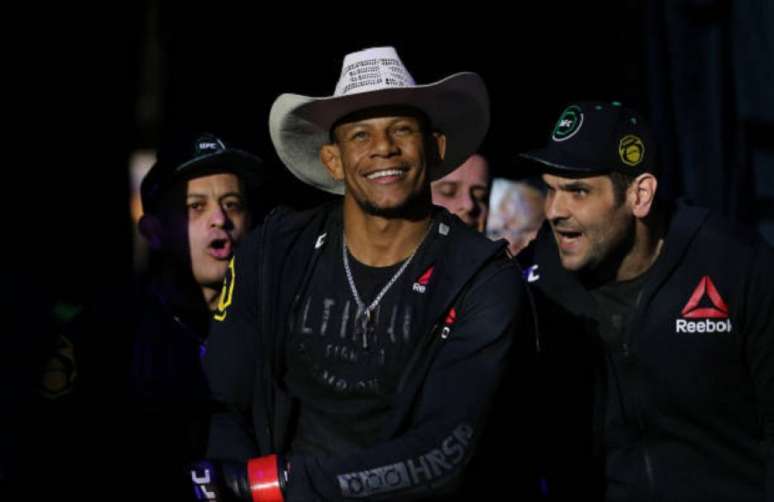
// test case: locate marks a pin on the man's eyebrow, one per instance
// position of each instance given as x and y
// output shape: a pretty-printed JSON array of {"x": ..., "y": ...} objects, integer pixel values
[
  {"x": 574, "y": 185},
  {"x": 204, "y": 196}
]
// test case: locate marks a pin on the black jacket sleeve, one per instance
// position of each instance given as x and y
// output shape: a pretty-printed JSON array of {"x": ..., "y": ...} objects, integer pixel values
[
  {"x": 232, "y": 357},
  {"x": 430, "y": 455}
]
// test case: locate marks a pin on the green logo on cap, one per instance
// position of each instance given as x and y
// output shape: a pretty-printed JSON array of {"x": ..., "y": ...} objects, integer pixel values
[{"x": 569, "y": 123}]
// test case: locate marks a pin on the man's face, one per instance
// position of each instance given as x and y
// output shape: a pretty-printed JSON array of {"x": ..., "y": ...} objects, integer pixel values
[
  {"x": 383, "y": 162},
  {"x": 465, "y": 192},
  {"x": 217, "y": 220},
  {"x": 588, "y": 224}
]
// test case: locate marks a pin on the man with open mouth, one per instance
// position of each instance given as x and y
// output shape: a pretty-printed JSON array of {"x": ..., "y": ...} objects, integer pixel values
[
  {"x": 657, "y": 327},
  {"x": 138, "y": 400},
  {"x": 195, "y": 212}
]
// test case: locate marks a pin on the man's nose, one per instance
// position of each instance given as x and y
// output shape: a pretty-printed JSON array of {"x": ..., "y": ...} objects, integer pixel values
[
  {"x": 218, "y": 217},
  {"x": 466, "y": 203},
  {"x": 384, "y": 144},
  {"x": 555, "y": 207}
]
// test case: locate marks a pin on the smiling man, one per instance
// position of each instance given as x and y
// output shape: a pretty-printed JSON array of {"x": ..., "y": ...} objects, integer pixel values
[
  {"x": 658, "y": 337},
  {"x": 364, "y": 340}
]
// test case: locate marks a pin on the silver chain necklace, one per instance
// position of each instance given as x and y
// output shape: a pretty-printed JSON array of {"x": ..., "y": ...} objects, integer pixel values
[{"x": 366, "y": 321}]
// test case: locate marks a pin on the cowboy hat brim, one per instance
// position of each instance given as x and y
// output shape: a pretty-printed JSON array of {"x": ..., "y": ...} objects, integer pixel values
[{"x": 457, "y": 106}]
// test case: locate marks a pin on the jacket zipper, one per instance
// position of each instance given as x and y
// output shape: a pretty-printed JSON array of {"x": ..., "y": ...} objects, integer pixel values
[{"x": 646, "y": 458}]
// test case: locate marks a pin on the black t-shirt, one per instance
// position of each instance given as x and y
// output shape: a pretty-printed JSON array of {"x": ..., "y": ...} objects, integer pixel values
[
  {"x": 616, "y": 302},
  {"x": 344, "y": 378}
]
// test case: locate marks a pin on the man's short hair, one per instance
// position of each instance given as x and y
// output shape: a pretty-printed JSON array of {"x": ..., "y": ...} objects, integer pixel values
[{"x": 621, "y": 183}]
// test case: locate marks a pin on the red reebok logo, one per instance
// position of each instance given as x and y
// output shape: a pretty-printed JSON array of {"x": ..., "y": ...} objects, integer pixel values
[
  {"x": 692, "y": 310},
  {"x": 451, "y": 318},
  {"x": 421, "y": 285}
]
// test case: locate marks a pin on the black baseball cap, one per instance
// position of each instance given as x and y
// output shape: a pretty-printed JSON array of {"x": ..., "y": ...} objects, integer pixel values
[
  {"x": 592, "y": 138},
  {"x": 194, "y": 155}
]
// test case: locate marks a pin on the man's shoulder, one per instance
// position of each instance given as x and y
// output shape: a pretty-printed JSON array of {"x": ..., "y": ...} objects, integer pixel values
[
  {"x": 723, "y": 231},
  {"x": 465, "y": 240},
  {"x": 715, "y": 236},
  {"x": 488, "y": 261},
  {"x": 539, "y": 261},
  {"x": 283, "y": 218},
  {"x": 283, "y": 226}
]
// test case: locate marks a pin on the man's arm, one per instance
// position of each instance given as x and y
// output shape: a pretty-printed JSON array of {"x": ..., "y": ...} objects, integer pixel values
[{"x": 232, "y": 356}]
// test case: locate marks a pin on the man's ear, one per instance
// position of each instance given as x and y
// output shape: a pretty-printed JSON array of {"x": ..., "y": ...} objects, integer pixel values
[
  {"x": 642, "y": 194},
  {"x": 330, "y": 156},
  {"x": 440, "y": 143},
  {"x": 151, "y": 228}
]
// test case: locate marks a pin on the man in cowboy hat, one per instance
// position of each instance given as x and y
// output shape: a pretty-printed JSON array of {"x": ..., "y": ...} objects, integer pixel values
[{"x": 359, "y": 346}]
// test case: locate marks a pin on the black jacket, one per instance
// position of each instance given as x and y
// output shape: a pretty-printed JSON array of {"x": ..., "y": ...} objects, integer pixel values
[
  {"x": 684, "y": 410},
  {"x": 138, "y": 401},
  {"x": 443, "y": 395}
]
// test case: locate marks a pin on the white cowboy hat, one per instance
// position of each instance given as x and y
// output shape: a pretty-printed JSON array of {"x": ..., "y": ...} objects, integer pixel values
[{"x": 457, "y": 106}]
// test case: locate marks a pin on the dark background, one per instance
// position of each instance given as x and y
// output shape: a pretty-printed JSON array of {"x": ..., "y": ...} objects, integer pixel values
[
  {"x": 108, "y": 81},
  {"x": 85, "y": 86},
  {"x": 97, "y": 83}
]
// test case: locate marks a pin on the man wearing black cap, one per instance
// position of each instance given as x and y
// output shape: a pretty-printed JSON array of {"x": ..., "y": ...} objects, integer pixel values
[
  {"x": 139, "y": 396},
  {"x": 196, "y": 210},
  {"x": 361, "y": 344},
  {"x": 656, "y": 327}
]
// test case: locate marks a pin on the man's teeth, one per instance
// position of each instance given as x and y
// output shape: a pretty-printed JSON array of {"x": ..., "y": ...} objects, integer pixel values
[{"x": 386, "y": 172}]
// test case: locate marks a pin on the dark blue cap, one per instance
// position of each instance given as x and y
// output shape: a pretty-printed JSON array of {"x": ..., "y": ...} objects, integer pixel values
[{"x": 192, "y": 156}]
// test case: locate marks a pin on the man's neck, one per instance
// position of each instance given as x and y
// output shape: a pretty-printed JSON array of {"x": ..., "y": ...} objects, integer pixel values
[
  {"x": 211, "y": 297},
  {"x": 380, "y": 242},
  {"x": 646, "y": 248},
  {"x": 633, "y": 259},
  {"x": 178, "y": 291}
]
